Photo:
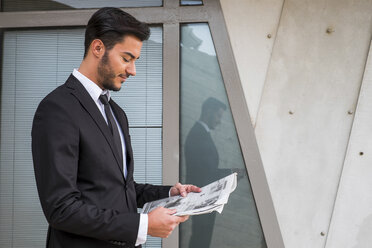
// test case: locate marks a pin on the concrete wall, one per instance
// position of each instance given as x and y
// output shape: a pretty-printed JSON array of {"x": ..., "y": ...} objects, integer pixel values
[{"x": 302, "y": 64}]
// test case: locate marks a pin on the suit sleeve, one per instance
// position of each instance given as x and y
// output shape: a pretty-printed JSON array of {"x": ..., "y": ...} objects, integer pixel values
[
  {"x": 147, "y": 193},
  {"x": 55, "y": 150}
]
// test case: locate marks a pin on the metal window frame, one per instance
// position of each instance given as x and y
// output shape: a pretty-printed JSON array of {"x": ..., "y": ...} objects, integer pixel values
[
  {"x": 1, "y": 59},
  {"x": 171, "y": 15}
]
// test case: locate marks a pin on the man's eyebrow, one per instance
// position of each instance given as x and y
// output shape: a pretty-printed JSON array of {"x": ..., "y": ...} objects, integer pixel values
[{"x": 131, "y": 55}]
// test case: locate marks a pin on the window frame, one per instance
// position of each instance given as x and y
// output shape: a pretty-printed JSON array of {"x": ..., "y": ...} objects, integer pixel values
[{"x": 170, "y": 16}]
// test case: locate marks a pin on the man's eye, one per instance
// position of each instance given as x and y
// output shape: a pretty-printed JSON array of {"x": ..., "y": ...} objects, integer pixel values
[{"x": 125, "y": 60}]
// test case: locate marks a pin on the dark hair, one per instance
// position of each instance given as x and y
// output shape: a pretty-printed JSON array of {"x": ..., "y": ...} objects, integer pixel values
[
  {"x": 111, "y": 25},
  {"x": 211, "y": 106}
]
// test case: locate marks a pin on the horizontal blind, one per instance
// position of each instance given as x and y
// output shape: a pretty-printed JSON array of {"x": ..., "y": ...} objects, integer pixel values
[{"x": 34, "y": 63}]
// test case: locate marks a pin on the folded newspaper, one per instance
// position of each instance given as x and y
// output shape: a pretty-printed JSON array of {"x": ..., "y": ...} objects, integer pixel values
[{"x": 212, "y": 197}]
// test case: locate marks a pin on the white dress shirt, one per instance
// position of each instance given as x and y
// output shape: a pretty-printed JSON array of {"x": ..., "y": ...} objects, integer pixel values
[{"x": 95, "y": 92}]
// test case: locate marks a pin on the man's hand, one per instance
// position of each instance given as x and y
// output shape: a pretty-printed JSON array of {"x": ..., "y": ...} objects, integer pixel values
[
  {"x": 162, "y": 222},
  {"x": 183, "y": 189}
]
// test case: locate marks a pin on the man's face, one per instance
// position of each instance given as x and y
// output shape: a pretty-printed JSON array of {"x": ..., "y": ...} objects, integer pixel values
[
  {"x": 215, "y": 119},
  {"x": 118, "y": 63}
]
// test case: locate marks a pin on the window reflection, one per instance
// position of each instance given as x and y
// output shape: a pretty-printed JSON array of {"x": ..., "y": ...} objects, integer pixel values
[
  {"x": 201, "y": 155},
  {"x": 210, "y": 148}
]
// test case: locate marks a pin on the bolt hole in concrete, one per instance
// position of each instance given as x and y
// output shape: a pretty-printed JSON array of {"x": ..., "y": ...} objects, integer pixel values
[
  {"x": 361, "y": 153},
  {"x": 330, "y": 30}
]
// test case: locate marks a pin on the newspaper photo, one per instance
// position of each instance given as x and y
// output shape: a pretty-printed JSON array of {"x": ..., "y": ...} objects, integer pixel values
[{"x": 212, "y": 197}]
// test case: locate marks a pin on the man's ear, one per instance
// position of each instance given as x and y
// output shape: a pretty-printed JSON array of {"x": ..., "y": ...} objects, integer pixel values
[{"x": 97, "y": 48}]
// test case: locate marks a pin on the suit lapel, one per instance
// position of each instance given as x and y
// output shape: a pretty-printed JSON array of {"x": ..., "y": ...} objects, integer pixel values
[
  {"x": 87, "y": 102},
  {"x": 125, "y": 129}
]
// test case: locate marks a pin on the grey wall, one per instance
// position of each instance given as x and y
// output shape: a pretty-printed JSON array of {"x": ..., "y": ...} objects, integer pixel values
[{"x": 302, "y": 64}]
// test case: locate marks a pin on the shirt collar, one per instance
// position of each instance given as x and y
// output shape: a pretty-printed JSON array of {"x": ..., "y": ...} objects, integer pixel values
[
  {"x": 93, "y": 89},
  {"x": 204, "y": 125}
]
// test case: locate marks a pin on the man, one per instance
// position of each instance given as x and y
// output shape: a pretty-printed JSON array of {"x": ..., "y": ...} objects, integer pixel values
[
  {"x": 201, "y": 154},
  {"x": 82, "y": 153},
  {"x": 202, "y": 161}
]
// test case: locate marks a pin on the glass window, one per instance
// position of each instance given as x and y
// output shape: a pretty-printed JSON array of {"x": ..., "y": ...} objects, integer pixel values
[
  {"x": 210, "y": 148},
  {"x": 191, "y": 2},
  {"x": 34, "y": 63},
  {"x": 34, "y": 5}
]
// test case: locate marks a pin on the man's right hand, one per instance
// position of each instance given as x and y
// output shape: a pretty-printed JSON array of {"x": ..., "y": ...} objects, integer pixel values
[{"x": 162, "y": 222}]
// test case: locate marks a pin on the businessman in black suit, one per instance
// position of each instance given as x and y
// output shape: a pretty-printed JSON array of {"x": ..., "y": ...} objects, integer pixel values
[
  {"x": 202, "y": 161},
  {"x": 82, "y": 152}
]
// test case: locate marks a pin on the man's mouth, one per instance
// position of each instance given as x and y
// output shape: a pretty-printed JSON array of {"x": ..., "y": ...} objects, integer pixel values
[{"x": 123, "y": 77}]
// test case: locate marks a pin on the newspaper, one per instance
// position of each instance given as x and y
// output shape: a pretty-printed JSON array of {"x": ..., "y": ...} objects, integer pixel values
[{"x": 212, "y": 197}]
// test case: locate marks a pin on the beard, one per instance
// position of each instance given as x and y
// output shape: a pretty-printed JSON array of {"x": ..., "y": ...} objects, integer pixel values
[{"x": 106, "y": 75}]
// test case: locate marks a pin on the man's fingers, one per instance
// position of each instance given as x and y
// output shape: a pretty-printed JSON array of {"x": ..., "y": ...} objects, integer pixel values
[
  {"x": 182, "y": 218},
  {"x": 165, "y": 210},
  {"x": 171, "y": 211},
  {"x": 193, "y": 188},
  {"x": 183, "y": 191},
  {"x": 186, "y": 217},
  {"x": 161, "y": 222}
]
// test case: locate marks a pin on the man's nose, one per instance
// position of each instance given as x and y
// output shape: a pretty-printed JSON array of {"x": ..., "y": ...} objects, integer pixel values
[{"x": 131, "y": 69}]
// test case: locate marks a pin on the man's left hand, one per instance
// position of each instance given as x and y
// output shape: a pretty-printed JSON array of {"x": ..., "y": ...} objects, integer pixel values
[{"x": 183, "y": 189}]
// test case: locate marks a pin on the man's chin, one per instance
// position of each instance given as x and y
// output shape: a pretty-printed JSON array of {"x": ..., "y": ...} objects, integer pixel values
[
  {"x": 116, "y": 89},
  {"x": 112, "y": 87}
]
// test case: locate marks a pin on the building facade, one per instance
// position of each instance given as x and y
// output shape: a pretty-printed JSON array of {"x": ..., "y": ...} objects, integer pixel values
[{"x": 286, "y": 84}]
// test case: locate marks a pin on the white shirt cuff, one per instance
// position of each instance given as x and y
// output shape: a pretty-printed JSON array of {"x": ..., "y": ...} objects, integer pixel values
[{"x": 142, "y": 229}]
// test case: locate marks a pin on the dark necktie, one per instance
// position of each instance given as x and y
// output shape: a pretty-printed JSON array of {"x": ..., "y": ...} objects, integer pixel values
[{"x": 112, "y": 125}]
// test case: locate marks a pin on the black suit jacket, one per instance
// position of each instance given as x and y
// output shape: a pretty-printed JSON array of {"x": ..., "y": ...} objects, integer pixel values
[
  {"x": 202, "y": 157},
  {"x": 84, "y": 195}
]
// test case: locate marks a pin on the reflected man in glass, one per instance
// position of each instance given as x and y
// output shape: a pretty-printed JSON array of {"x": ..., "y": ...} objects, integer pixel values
[{"x": 202, "y": 161}]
